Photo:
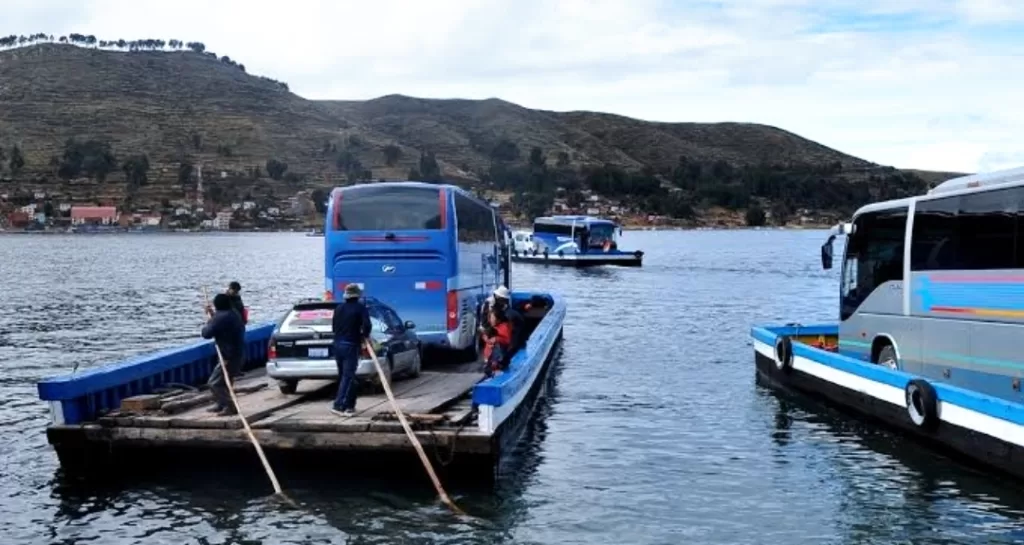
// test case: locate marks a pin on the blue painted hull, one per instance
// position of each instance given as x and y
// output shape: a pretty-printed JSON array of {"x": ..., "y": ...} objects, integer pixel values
[{"x": 980, "y": 428}]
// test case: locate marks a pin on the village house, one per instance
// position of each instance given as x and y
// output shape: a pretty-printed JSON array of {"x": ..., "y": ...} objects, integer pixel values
[
  {"x": 222, "y": 220},
  {"x": 99, "y": 215}
]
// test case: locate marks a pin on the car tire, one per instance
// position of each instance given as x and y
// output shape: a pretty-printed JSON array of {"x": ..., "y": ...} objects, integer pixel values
[
  {"x": 287, "y": 387},
  {"x": 417, "y": 365}
]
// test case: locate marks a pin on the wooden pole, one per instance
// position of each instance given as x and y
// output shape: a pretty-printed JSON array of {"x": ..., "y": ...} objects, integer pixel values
[
  {"x": 412, "y": 436},
  {"x": 238, "y": 408}
]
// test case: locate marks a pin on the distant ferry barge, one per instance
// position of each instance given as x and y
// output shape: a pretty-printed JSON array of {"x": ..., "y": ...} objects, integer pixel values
[
  {"x": 931, "y": 321},
  {"x": 573, "y": 241}
]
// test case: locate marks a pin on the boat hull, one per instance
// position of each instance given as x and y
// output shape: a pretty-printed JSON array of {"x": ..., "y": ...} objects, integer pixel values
[
  {"x": 596, "y": 259},
  {"x": 971, "y": 427}
]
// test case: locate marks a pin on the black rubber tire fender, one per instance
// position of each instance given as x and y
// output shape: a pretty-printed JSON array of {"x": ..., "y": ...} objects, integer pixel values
[
  {"x": 922, "y": 404},
  {"x": 784, "y": 353}
]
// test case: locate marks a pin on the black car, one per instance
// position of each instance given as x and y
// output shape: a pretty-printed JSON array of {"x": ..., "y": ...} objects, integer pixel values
[{"x": 302, "y": 345}]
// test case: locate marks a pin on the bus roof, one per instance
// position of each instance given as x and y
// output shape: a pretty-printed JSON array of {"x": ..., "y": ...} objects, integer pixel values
[
  {"x": 973, "y": 183},
  {"x": 569, "y": 220},
  {"x": 980, "y": 180}
]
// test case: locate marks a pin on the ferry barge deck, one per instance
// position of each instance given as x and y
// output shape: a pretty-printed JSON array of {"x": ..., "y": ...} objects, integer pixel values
[{"x": 107, "y": 414}]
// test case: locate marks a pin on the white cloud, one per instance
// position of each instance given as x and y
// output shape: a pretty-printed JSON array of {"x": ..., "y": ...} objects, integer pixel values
[{"x": 913, "y": 84}]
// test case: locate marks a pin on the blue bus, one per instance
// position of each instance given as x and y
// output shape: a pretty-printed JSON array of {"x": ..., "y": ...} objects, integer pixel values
[{"x": 434, "y": 252}]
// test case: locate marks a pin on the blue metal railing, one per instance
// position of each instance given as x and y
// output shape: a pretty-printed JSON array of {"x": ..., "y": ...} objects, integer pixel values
[{"x": 84, "y": 396}]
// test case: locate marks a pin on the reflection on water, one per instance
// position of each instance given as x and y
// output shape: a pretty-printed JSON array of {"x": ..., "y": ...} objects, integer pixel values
[{"x": 653, "y": 430}]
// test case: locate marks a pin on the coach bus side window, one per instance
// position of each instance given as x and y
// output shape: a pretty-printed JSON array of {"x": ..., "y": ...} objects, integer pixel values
[
  {"x": 989, "y": 222},
  {"x": 936, "y": 236},
  {"x": 874, "y": 256},
  {"x": 476, "y": 223}
]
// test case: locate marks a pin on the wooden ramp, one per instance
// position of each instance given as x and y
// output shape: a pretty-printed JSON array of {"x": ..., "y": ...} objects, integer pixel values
[{"x": 424, "y": 398}]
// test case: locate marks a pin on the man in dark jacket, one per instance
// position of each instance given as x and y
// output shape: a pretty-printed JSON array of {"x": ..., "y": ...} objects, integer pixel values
[
  {"x": 235, "y": 293},
  {"x": 226, "y": 329},
  {"x": 503, "y": 300},
  {"x": 351, "y": 326}
]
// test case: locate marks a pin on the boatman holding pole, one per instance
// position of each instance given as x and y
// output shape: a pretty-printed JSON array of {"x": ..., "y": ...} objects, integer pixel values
[
  {"x": 351, "y": 326},
  {"x": 225, "y": 327}
]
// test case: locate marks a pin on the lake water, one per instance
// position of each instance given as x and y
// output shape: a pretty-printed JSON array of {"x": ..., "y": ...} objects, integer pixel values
[{"x": 654, "y": 432}]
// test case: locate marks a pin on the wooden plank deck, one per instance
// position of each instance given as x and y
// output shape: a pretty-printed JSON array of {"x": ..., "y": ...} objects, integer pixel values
[{"x": 309, "y": 409}]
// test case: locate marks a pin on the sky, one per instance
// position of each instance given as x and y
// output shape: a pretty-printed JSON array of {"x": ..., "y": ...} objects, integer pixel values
[{"x": 928, "y": 84}]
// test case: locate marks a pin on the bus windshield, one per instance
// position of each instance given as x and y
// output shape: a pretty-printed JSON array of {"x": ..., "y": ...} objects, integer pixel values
[
  {"x": 874, "y": 255},
  {"x": 389, "y": 208},
  {"x": 600, "y": 232}
]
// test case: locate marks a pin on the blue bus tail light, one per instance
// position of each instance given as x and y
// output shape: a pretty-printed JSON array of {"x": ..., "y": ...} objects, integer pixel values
[{"x": 453, "y": 310}]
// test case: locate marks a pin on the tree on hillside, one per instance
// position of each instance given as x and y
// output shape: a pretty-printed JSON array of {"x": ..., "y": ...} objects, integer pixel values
[
  {"x": 780, "y": 213},
  {"x": 755, "y": 216},
  {"x": 563, "y": 159},
  {"x": 136, "y": 170},
  {"x": 505, "y": 150},
  {"x": 429, "y": 169},
  {"x": 16, "y": 160},
  {"x": 91, "y": 158},
  {"x": 537, "y": 158},
  {"x": 392, "y": 154},
  {"x": 184, "y": 172},
  {"x": 3, "y": 156},
  {"x": 276, "y": 169},
  {"x": 414, "y": 175}
]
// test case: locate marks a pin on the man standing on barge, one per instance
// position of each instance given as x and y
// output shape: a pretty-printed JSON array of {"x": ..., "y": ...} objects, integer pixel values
[
  {"x": 351, "y": 327},
  {"x": 225, "y": 327}
]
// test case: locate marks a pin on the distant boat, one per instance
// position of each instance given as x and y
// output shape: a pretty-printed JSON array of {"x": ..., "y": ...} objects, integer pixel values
[
  {"x": 315, "y": 233},
  {"x": 557, "y": 240}
]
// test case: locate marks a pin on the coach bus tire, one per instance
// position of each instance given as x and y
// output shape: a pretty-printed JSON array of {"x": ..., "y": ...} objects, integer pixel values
[
  {"x": 783, "y": 354},
  {"x": 887, "y": 357},
  {"x": 922, "y": 404}
]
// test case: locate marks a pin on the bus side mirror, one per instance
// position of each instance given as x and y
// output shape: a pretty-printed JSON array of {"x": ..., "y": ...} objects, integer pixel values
[{"x": 826, "y": 253}]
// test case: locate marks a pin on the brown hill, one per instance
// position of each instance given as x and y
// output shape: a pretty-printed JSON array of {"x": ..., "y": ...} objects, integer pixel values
[
  {"x": 183, "y": 108},
  {"x": 465, "y": 131}
]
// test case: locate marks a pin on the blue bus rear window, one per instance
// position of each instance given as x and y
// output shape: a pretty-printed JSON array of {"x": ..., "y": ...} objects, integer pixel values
[{"x": 390, "y": 208}]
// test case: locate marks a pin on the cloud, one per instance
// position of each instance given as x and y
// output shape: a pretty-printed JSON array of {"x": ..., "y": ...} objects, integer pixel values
[{"x": 912, "y": 84}]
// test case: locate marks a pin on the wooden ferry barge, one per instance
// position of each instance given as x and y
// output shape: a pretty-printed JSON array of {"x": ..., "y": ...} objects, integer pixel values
[{"x": 155, "y": 403}]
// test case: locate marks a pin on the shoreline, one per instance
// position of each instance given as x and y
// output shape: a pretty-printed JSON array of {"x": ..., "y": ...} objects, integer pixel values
[{"x": 629, "y": 228}]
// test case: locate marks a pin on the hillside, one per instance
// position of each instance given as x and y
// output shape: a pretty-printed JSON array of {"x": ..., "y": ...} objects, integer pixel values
[{"x": 131, "y": 124}]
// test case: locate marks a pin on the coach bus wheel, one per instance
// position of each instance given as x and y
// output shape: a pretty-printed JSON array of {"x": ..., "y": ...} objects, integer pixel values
[
  {"x": 887, "y": 357},
  {"x": 922, "y": 404}
]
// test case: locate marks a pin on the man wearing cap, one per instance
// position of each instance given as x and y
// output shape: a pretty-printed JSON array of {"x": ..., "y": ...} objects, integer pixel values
[
  {"x": 351, "y": 326},
  {"x": 234, "y": 292},
  {"x": 503, "y": 299}
]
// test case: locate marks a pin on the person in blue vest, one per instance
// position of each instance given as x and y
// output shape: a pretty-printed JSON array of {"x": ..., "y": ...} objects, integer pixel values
[
  {"x": 351, "y": 326},
  {"x": 225, "y": 327}
]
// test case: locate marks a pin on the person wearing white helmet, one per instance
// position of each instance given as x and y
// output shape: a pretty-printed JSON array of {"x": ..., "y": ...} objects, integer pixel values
[{"x": 502, "y": 298}]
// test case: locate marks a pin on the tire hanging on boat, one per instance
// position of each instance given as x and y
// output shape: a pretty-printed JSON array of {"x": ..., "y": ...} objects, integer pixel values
[
  {"x": 783, "y": 353},
  {"x": 922, "y": 404}
]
